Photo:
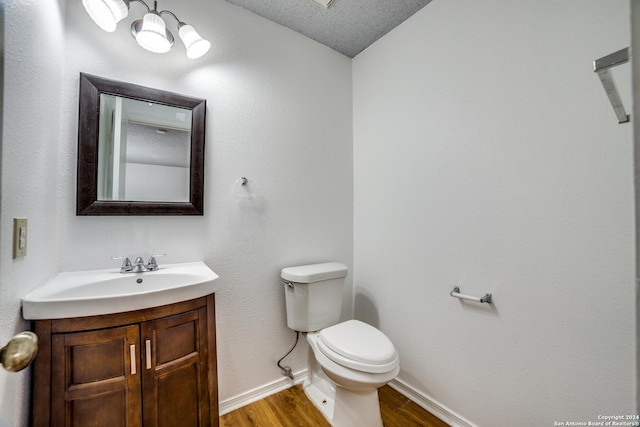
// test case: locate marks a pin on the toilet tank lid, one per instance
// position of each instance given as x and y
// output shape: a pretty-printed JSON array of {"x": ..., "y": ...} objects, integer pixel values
[{"x": 314, "y": 272}]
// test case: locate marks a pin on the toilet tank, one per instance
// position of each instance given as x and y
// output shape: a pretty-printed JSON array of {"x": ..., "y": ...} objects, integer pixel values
[{"x": 313, "y": 295}]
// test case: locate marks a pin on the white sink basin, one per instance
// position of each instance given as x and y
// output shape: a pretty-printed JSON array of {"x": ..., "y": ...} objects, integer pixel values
[{"x": 90, "y": 293}]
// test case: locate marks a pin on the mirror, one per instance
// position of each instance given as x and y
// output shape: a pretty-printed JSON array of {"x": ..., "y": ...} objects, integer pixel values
[{"x": 140, "y": 150}]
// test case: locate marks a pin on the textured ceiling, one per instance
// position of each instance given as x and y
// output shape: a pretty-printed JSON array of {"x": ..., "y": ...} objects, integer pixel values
[{"x": 348, "y": 26}]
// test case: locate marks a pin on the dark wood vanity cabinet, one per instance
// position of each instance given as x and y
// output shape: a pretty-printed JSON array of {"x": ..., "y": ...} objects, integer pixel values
[{"x": 154, "y": 367}]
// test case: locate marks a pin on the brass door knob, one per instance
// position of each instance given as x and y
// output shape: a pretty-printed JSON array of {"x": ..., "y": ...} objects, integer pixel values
[{"x": 19, "y": 352}]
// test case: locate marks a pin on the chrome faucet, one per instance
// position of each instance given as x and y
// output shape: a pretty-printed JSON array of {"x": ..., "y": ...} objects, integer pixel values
[{"x": 139, "y": 266}]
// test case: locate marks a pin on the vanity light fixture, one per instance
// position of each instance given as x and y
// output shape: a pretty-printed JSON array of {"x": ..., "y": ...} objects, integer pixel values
[{"x": 151, "y": 31}]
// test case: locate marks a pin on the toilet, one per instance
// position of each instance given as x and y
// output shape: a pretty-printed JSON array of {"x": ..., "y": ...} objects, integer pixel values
[{"x": 348, "y": 360}]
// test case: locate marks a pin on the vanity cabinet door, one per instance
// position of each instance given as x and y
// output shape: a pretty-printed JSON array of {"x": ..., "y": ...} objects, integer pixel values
[
  {"x": 175, "y": 375},
  {"x": 95, "y": 378}
]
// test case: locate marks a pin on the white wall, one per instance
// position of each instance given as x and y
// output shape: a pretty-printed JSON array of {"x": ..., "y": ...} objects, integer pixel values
[
  {"x": 635, "y": 59},
  {"x": 33, "y": 35},
  {"x": 486, "y": 155},
  {"x": 278, "y": 112}
]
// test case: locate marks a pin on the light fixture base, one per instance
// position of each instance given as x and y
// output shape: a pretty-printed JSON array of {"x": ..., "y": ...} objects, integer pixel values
[
  {"x": 323, "y": 3},
  {"x": 136, "y": 26}
]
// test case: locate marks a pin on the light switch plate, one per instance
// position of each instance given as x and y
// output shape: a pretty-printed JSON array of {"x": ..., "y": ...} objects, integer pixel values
[{"x": 19, "y": 237}]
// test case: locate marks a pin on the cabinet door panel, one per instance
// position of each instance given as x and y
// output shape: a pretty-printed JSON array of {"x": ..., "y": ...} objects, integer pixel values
[
  {"x": 92, "y": 381},
  {"x": 175, "y": 378},
  {"x": 95, "y": 361},
  {"x": 176, "y": 341},
  {"x": 178, "y": 409},
  {"x": 108, "y": 409}
]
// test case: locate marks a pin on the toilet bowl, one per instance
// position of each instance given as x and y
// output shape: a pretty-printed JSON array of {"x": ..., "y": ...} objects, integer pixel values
[{"x": 348, "y": 360}]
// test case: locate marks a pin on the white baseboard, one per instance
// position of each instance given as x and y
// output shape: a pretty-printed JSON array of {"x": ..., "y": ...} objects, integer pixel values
[
  {"x": 434, "y": 407},
  {"x": 258, "y": 393}
]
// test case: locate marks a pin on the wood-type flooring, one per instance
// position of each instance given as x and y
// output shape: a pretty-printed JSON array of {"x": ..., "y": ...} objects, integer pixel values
[{"x": 292, "y": 408}]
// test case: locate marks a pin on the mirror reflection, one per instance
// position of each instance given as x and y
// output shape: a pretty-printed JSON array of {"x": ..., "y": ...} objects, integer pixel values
[{"x": 144, "y": 151}]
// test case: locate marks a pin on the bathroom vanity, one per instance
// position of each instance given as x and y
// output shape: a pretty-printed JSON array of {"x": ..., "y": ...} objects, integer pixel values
[
  {"x": 125, "y": 349},
  {"x": 152, "y": 367}
]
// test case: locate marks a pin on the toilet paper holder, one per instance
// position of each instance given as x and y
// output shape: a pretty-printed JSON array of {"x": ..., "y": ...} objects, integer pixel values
[{"x": 456, "y": 294}]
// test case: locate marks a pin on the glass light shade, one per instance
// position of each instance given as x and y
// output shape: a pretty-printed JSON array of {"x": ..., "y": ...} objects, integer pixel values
[
  {"x": 196, "y": 45},
  {"x": 106, "y": 13},
  {"x": 153, "y": 34}
]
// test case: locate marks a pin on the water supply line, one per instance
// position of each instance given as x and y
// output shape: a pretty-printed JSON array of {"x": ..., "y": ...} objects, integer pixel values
[{"x": 286, "y": 370}]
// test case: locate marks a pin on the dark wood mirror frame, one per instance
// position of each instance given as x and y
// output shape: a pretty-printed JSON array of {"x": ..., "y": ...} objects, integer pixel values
[{"x": 87, "y": 202}]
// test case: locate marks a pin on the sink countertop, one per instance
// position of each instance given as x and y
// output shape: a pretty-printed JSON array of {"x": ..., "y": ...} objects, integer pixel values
[{"x": 96, "y": 292}]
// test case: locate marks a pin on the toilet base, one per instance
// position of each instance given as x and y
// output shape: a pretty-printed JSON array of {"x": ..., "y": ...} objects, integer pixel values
[
  {"x": 342, "y": 407},
  {"x": 356, "y": 408},
  {"x": 353, "y": 409},
  {"x": 322, "y": 401},
  {"x": 318, "y": 388}
]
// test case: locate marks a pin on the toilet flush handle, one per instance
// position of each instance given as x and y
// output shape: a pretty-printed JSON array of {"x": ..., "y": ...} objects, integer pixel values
[{"x": 288, "y": 283}]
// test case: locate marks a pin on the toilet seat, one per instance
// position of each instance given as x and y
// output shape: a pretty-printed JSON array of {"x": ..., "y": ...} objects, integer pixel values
[{"x": 357, "y": 345}]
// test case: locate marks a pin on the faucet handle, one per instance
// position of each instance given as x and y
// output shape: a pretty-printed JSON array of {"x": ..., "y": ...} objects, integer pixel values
[
  {"x": 126, "y": 263},
  {"x": 152, "y": 265}
]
